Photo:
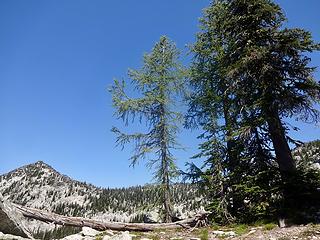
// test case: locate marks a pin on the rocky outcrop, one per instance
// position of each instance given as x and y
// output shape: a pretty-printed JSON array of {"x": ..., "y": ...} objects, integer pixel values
[
  {"x": 86, "y": 231},
  {"x": 11, "y": 237},
  {"x": 10, "y": 220}
]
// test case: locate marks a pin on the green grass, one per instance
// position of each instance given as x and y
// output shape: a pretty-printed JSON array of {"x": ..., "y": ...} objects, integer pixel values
[
  {"x": 215, "y": 226},
  {"x": 269, "y": 226},
  {"x": 204, "y": 234},
  {"x": 155, "y": 237},
  {"x": 241, "y": 229},
  {"x": 137, "y": 236}
]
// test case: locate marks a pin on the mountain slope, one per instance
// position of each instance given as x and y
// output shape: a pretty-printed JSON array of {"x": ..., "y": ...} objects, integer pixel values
[{"x": 39, "y": 185}]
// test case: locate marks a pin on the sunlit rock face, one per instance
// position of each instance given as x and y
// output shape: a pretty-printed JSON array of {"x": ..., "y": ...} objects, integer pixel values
[{"x": 11, "y": 220}]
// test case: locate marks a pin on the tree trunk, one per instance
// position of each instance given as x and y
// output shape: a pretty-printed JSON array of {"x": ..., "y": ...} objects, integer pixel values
[
  {"x": 285, "y": 161},
  {"x": 165, "y": 169},
  {"x": 283, "y": 153},
  {"x": 167, "y": 203}
]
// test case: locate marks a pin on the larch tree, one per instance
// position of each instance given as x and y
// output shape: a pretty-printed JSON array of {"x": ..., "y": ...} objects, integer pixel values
[{"x": 159, "y": 82}]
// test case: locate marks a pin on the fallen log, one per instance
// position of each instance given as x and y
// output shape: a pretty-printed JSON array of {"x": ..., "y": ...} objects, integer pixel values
[{"x": 49, "y": 217}]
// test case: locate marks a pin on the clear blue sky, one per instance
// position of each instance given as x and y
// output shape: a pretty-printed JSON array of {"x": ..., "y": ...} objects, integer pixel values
[{"x": 57, "y": 59}]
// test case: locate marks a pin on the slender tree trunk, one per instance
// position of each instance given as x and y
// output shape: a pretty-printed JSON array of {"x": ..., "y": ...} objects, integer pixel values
[
  {"x": 166, "y": 186},
  {"x": 165, "y": 169},
  {"x": 280, "y": 144},
  {"x": 165, "y": 158},
  {"x": 167, "y": 200}
]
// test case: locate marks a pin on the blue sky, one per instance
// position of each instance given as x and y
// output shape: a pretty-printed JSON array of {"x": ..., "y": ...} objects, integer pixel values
[{"x": 57, "y": 59}]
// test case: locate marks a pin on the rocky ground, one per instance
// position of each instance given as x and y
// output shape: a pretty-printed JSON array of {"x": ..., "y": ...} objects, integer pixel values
[
  {"x": 242, "y": 232},
  {"x": 266, "y": 232}
]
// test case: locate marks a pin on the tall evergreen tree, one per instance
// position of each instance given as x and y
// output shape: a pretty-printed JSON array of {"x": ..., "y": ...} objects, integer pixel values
[
  {"x": 268, "y": 68},
  {"x": 158, "y": 82},
  {"x": 252, "y": 73},
  {"x": 206, "y": 106}
]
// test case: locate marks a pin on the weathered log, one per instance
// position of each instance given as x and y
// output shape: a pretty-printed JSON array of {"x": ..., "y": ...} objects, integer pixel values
[{"x": 101, "y": 226}]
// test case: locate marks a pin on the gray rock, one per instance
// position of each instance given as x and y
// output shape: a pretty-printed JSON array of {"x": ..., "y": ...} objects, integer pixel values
[
  {"x": 218, "y": 232},
  {"x": 109, "y": 232},
  {"x": 80, "y": 236},
  {"x": 11, "y": 220},
  {"x": 73, "y": 237},
  {"x": 108, "y": 235},
  {"x": 86, "y": 231},
  {"x": 122, "y": 236},
  {"x": 222, "y": 233},
  {"x": 230, "y": 234},
  {"x": 77, "y": 236}
]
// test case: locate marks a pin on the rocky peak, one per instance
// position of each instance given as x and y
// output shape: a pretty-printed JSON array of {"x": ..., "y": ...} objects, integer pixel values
[{"x": 41, "y": 186}]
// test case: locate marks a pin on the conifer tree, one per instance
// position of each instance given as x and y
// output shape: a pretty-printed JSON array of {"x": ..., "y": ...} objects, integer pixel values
[
  {"x": 159, "y": 83},
  {"x": 267, "y": 69},
  {"x": 248, "y": 75}
]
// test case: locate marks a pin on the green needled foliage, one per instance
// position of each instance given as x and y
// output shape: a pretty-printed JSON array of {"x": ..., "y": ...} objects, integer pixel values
[
  {"x": 247, "y": 75},
  {"x": 159, "y": 83}
]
